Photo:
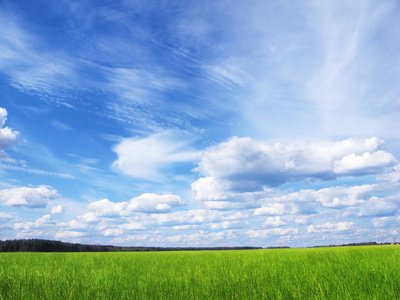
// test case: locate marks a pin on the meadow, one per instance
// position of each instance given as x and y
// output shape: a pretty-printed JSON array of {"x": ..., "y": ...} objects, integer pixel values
[{"x": 370, "y": 272}]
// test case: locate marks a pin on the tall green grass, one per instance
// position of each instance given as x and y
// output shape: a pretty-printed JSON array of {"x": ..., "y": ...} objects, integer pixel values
[{"x": 324, "y": 273}]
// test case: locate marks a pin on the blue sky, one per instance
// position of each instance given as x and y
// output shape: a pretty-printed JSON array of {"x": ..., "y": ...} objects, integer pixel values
[{"x": 200, "y": 123}]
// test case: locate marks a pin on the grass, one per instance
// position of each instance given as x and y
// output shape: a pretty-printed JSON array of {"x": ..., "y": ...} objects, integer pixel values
[{"x": 370, "y": 272}]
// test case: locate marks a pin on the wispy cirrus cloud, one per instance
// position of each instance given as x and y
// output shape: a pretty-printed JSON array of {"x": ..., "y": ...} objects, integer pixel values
[
  {"x": 145, "y": 157},
  {"x": 37, "y": 171},
  {"x": 344, "y": 84}
]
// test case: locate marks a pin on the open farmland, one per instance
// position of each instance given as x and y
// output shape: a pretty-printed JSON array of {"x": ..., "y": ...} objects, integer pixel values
[{"x": 323, "y": 273}]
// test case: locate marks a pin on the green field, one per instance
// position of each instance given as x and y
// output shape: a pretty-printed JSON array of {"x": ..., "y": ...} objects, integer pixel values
[{"x": 371, "y": 272}]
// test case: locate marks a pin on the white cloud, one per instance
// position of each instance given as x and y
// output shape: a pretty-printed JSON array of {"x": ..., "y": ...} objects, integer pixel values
[
  {"x": 345, "y": 196},
  {"x": 132, "y": 226},
  {"x": 34, "y": 234},
  {"x": 112, "y": 232},
  {"x": 391, "y": 177},
  {"x": 44, "y": 222},
  {"x": 186, "y": 227},
  {"x": 232, "y": 204},
  {"x": 365, "y": 163},
  {"x": 217, "y": 194},
  {"x": 331, "y": 227},
  {"x": 193, "y": 216},
  {"x": 3, "y": 116},
  {"x": 57, "y": 210},
  {"x": 147, "y": 203},
  {"x": 209, "y": 189},
  {"x": 130, "y": 238},
  {"x": 89, "y": 217},
  {"x": 7, "y": 135},
  {"x": 384, "y": 221},
  {"x": 37, "y": 171},
  {"x": 274, "y": 222},
  {"x": 61, "y": 125},
  {"x": 344, "y": 105},
  {"x": 387, "y": 206},
  {"x": 106, "y": 208},
  {"x": 304, "y": 201},
  {"x": 138, "y": 85},
  {"x": 28, "y": 197},
  {"x": 201, "y": 238},
  {"x": 268, "y": 232},
  {"x": 74, "y": 224},
  {"x": 303, "y": 220},
  {"x": 68, "y": 235},
  {"x": 152, "y": 203},
  {"x": 249, "y": 164},
  {"x": 230, "y": 225},
  {"x": 5, "y": 217},
  {"x": 271, "y": 210},
  {"x": 145, "y": 157}
]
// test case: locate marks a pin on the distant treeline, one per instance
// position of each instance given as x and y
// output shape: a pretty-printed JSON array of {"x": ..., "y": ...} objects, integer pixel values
[
  {"x": 351, "y": 244},
  {"x": 37, "y": 245}
]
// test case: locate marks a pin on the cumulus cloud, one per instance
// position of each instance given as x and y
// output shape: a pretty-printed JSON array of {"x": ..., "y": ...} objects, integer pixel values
[
  {"x": 89, "y": 217},
  {"x": 307, "y": 204},
  {"x": 387, "y": 206},
  {"x": 193, "y": 216},
  {"x": 334, "y": 197},
  {"x": 74, "y": 224},
  {"x": 132, "y": 226},
  {"x": 217, "y": 194},
  {"x": 268, "y": 232},
  {"x": 384, "y": 221},
  {"x": 44, "y": 222},
  {"x": 249, "y": 164},
  {"x": 274, "y": 222},
  {"x": 28, "y": 197},
  {"x": 201, "y": 238},
  {"x": 106, "y": 208},
  {"x": 345, "y": 196},
  {"x": 238, "y": 172},
  {"x": 7, "y": 135},
  {"x": 365, "y": 163},
  {"x": 233, "y": 204},
  {"x": 57, "y": 210},
  {"x": 303, "y": 220},
  {"x": 146, "y": 203},
  {"x": 210, "y": 189},
  {"x": 68, "y": 235},
  {"x": 392, "y": 177},
  {"x": 112, "y": 232},
  {"x": 271, "y": 210},
  {"x": 331, "y": 227},
  {"x": 274, "y": 203},
  {"x": 152, "y": 203},
  {"x": 113, "y": 219},
  {"x": 4, "y": 218},
  {"x": 145, "y": 157},
  {"x": 230, "y": 225}
]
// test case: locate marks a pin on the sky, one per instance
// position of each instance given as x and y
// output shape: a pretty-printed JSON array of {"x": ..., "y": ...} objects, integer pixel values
[{"x": 200, "y": 123}]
